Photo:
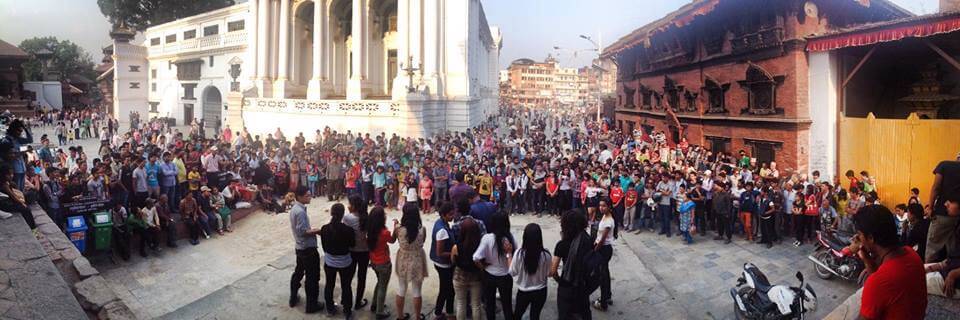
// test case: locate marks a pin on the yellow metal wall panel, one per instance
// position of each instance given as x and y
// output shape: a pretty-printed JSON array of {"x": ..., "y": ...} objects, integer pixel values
[{"x": 898, "y": 153}]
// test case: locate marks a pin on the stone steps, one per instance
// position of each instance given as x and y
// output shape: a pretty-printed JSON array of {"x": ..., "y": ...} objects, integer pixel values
[{"x": 20, "y": 108}]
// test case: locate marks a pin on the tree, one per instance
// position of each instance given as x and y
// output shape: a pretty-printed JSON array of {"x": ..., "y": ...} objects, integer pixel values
[
  {"x": 68, "y": 58},
  {"x": 140, "y": 14}
]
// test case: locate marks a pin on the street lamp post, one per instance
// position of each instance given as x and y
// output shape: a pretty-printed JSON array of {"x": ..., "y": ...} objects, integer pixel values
[{"x": 600, "y": 74}]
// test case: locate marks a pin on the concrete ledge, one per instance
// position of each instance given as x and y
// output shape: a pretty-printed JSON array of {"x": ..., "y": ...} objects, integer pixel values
[
  {"x": 31, "y": 287},
  {"x": 89, "y": 289}
]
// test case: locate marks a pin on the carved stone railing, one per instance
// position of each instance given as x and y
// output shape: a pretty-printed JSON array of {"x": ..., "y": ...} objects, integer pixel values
[
  {"x": 234, "y": 38},
  {"x": 383, "y": 108},
  {"x": 188, "y": 44},
  {"x": 210, "y": 41}
]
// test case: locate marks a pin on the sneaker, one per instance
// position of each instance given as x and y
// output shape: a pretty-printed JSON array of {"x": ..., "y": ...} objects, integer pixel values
[
  {"x": 599, "y": 306},
  {"x": 796, "y": 243}
]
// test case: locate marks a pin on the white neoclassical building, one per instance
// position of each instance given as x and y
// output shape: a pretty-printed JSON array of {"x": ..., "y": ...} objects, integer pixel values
[{"x": 411, "y": 67}]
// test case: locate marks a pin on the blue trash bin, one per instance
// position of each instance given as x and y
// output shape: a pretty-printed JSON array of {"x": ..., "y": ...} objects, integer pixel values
[{"x": 77, "y": 231}]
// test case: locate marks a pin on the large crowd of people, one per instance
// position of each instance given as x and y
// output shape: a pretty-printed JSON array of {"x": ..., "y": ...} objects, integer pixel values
[{"x": 599, "y": 181}]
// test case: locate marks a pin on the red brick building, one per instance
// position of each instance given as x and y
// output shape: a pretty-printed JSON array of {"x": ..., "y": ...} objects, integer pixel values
[{"x": 734, "y": 73}]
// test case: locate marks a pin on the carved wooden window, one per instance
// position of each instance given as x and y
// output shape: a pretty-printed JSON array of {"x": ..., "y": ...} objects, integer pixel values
[
  {"x": 761, "y": 90},
  {"x": 764, "y": 151},
  {"x": 690, "y": 101},
  {"x": 658, "y": 101},
  {"x": 647, "y": 95},
  {"x": 134, "y": 85},
  {"x": 188, "y": 89},
  {"x": 153, "y": 106},
  {"x": 672, "y": 92},
  {"x": 713, "y": 40},
  {"x": 716, "y": 96},
  {"x": 628, "y": 94},
  {"x": 718, "y": 144},
  {"x": 189, "y": 70}
]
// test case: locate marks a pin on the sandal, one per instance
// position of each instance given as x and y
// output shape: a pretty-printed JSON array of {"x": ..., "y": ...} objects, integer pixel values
[{"x": 406, "y": 316}]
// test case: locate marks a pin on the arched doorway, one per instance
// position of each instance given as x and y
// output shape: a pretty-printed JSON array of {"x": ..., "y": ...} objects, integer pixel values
[{"x": 212, "y": 108}]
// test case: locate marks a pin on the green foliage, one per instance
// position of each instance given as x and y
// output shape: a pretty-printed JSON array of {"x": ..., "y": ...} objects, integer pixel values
[
  {"x": 140, "y": 14},
  {"x": 68, "y": 58}
]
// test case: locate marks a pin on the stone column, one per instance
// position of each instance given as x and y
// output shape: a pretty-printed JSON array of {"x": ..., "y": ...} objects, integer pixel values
[
  {"x": 283, "y": 57},
  {"x": 251, "y": 59},
  {"x": 274, "y": 39},
  {"x": 430, "y": 43},
  {"x": 263, "y": 45},
  {"x": 401, "y": 81},
  {"x": 314, "y": 90},
  {"x": 358, "y": 77}
]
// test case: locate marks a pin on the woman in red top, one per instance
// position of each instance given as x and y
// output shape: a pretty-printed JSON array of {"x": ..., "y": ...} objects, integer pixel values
[
  {"x": 630, "y": 206},
  {"x": 377, "y": 239},
  {"x": 810, "y": 212},
  {"x": 616, "y": 202},
  {"x": 426, "y": 191},
  {"x": 552, "y": 189}
]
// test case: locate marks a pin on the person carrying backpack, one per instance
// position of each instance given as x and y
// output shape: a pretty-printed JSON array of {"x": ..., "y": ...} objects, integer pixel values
[{"x": 580, "y": 274}]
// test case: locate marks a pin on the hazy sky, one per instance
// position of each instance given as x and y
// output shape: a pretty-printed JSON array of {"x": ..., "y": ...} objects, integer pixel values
[{"x": 531, "y": 28}]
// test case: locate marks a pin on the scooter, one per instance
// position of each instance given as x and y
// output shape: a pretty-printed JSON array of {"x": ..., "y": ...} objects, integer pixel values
[
  {"x": 755, "y": 298},
  {"x": 830, "y": 258}
]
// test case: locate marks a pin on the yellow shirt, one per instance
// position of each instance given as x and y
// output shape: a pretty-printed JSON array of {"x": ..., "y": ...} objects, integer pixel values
[
  {"x": 194, "y": 178},
  {"x": 486, "y": 185},
  {"x": 181, "y": 170}
]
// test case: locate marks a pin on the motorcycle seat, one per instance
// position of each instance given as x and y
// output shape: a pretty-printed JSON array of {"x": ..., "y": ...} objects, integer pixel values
[
  {"x": 760, "y": 281},
  {"x": 837, "y": 239}
]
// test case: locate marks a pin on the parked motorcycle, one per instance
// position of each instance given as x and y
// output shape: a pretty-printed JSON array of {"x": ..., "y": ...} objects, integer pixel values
[
  {"x": 829, "y": 260},
  {"x": 755, "y": 298}
]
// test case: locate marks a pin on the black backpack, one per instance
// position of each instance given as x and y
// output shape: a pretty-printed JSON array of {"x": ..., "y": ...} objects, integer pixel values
[{"x": 590, "y": 266}]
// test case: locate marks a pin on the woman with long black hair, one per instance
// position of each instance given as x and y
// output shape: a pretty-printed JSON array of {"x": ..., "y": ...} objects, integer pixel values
[
  {"x": 378, "y": 238},
  {"x": 356, "y": 218},
  {"x": 411, "y": 261},
  {"x": 495, "y": 249},
  {"x": 573, "y": 302},
  {"x": 467, "y": 276},
  {"x": 530, "y": 267},
  {"x": 336, "y": 239}
]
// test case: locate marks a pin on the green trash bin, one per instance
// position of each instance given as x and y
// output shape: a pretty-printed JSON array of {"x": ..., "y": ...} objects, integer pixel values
[{"x": 102, "y": 223}]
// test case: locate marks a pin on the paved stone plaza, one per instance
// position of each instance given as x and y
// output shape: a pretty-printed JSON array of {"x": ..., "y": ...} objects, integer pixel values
[{"x": 245, "y": 274}]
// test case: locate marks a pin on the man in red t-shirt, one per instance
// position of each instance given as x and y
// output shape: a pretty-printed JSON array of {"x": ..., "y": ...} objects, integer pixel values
[
  {"x": 616, "y": 197},
  {"x": 630, "y": 206},
  {"x": 896, "y": 285}
]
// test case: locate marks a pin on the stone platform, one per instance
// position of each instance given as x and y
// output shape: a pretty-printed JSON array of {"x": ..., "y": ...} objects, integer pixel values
[{"x": 31, "y": 287}]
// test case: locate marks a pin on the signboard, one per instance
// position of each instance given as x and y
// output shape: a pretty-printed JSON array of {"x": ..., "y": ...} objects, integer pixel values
[{"x": 85, "y": 205}]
